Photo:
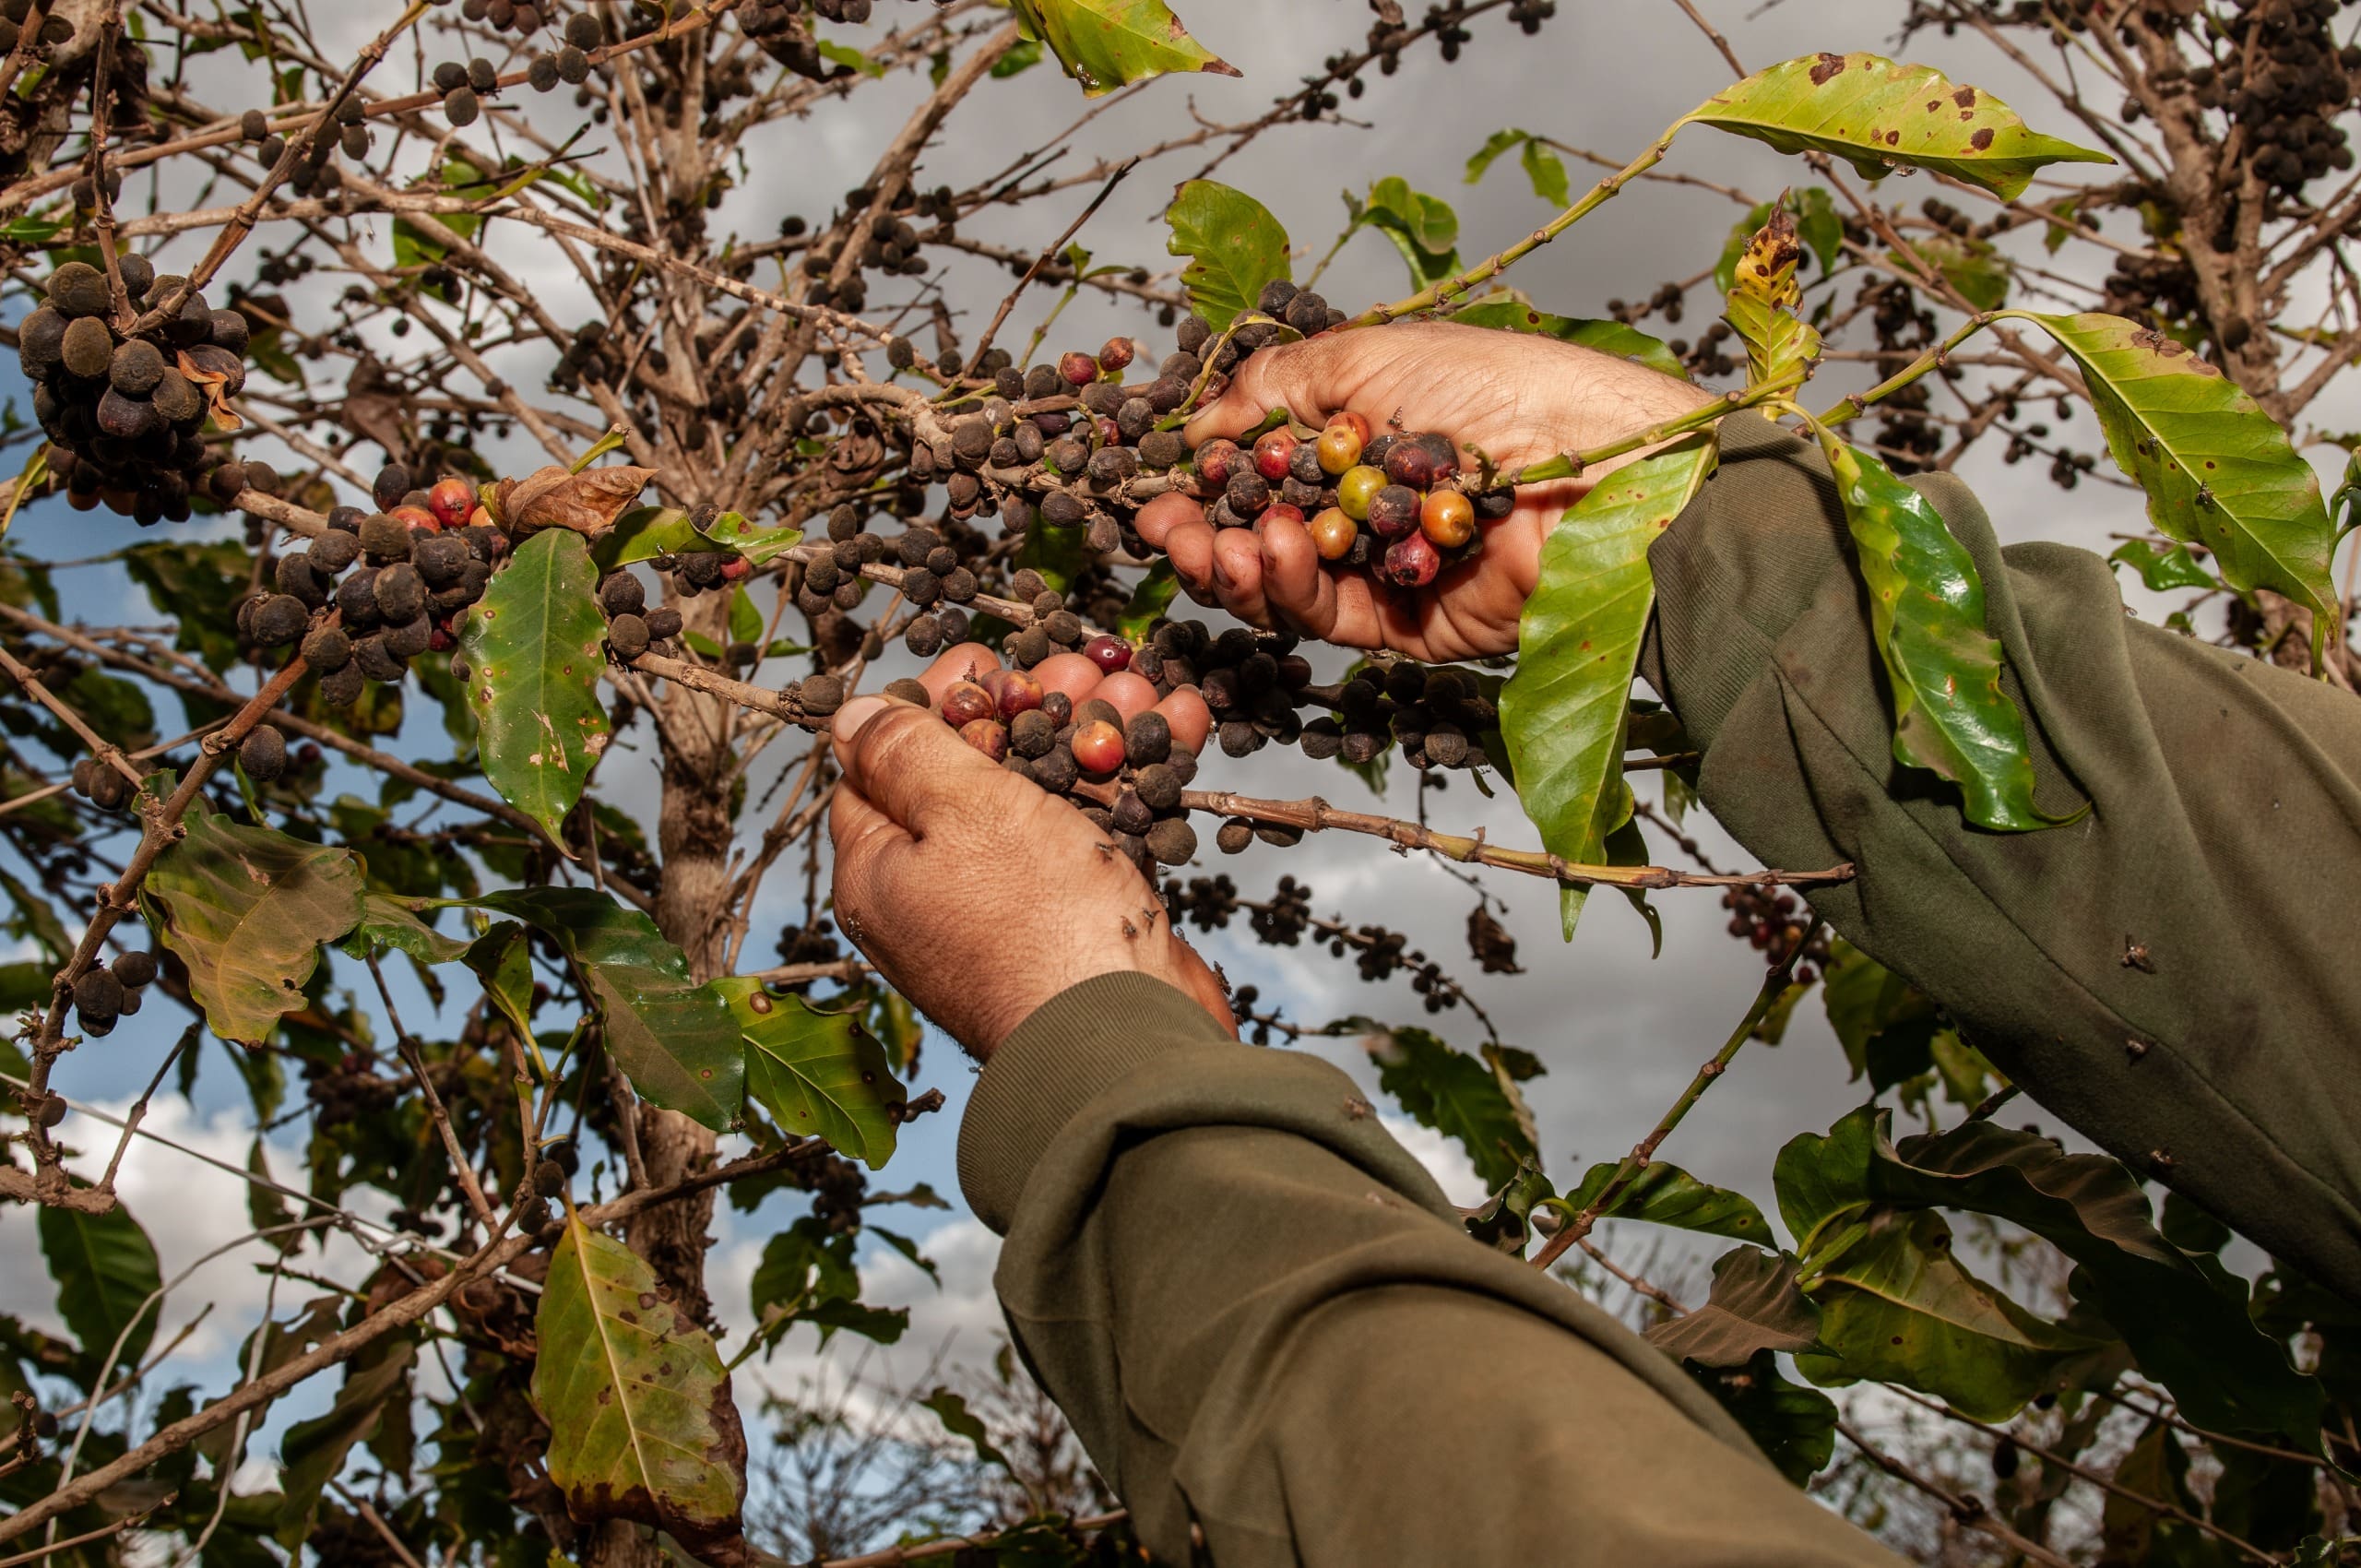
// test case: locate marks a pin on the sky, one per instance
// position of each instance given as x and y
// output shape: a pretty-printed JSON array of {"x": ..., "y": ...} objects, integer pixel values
[{"x": 1619, "y": 1032}]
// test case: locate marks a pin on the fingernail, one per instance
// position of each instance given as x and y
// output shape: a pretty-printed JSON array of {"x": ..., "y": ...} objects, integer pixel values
[{"x": 856, "y": 713}]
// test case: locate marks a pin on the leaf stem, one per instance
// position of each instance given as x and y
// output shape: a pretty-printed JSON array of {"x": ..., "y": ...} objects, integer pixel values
[
  {"x": 1571, "y": 465},
  {"x": 1436, "y": 294},
  {"x": 1774, "y": 985}
]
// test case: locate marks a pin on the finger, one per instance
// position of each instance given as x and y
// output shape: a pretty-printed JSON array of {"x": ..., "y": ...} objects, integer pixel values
[
  {"x": 968, "y": 661},
  {"x": 1289, "y": 377},
  {"x": 1355, "y": 622},
  {"x": 1191, "y": 719},
  {"x": 864, "y": 838},
  {"x": 909, "y": 764},
  {"x": 1191, "y": 976},
  {"x": 1068, "y": 673},
  {"x": 1165, "y": 512},
  {"x": 1190, "y": 548},
  {"x": 1238, "y": 575},
  {"x": 1294, "y": 587},
  {"x": 1131, "y": 694}
]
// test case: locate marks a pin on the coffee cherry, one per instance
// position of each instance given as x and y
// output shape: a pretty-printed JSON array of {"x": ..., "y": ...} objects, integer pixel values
[
  {"x": 1098, "y": 748},
  {"x": 1078, "y": 370},
  {"x": 1017, "y": 693},
  {"x": 280, "y": 620},
  {"x": 906, "y": 690},
  {"x": 1394, "y": 512},
  {"x": 989, "y": 736},
  {"x": 1117, "y": 353},
  {"x": 966, "y": 702},
  {"x": 1147, "y": 738},
  {"x": 135, "y": 970},
  {"x": 663, "y": 625},
  {"x": 1333, "y": 534},
  {"x": 1355, "y": 488},
  {"x": 1233, "y": 836},
  {"x": 622, "y": 594},
  {"x": 1216, "y": 460},
  {"x": 263, "y": 754},
  {"x": 452, "y": 500},
  {"x": 1448, "y": 519},
  {"x": 1339, "y": 448},
  {"x": 1411, "y": 561},
  {"x": 1172, "y": 841},
  {"x": 627, "y": 635},
  {"x": 821, "y": 696},
  {"x": 98, "y": 995},
  {"x": 1275, "y": 454},
  {"x": 1109, "y": 653}
]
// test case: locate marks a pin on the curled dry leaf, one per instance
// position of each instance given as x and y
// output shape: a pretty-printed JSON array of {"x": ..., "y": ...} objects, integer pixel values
[
  {"x": 214, "y": 385},
  {"x": 588, "y": 503}
]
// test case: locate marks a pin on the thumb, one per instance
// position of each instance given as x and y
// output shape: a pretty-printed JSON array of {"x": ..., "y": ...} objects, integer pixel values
[
  {"x": 1289, "y": 377},
  {"x": 906, "y": 761}
]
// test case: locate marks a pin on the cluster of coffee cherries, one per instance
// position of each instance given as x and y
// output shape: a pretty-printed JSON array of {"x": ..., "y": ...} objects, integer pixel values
[
  {"x": 2285, "y": 81},
  {"x": 1074, "y": 445},
  {"x": 124, "y": 414},
  {"x": 524, "y": 18},
  {"x": 105, "y": 992},
  {"x": 776, "y": 26},
  {"x": 1772, "y": 923},
  {"x": 397, "y": 579},
  {"x": 632, "y": 626},
  {"x": 1042, "y": 734}
]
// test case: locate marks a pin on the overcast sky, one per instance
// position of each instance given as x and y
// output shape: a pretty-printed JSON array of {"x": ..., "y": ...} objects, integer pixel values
[{"x": 1619, "y": 1033}]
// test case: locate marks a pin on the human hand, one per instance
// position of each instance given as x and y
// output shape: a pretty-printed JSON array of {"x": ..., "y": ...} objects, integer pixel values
[
  {"x": 1519, "y": 397},
  {"x": 977, "y": 894}
]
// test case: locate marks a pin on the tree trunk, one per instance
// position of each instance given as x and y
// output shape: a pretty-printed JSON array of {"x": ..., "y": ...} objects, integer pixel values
[{"x": 694, "y": 829}]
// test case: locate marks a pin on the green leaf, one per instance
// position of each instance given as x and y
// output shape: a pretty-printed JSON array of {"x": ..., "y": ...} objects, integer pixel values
[
  {"x": 674, "y": 1040},
  {"x": 1927, "y": 604},
  {"x": 806, "y": 1274},
  {"x": 1507, "y": 311},
  {"x": 1423, "y": 228},
  {"x": 642, "y": 1425},
  {"x": 951, "y": 1410},
  {"x": 2188, "y": 1328},
  {"x": 1755, "y": 1308},
  {"x": 1879, "y": 116},
  {"x": 105, "y": 1268},
  {"x": 1578, "y": 647},
  {"x": 1794, "y": 1426},
  {"x": 25, "y": 985},
  {"x": 732, "y": 532},
  {"x": 393, "y": 923},
  {"x": 1972, "y": 266},
  {"x": 1822, "y": 1182},
  {"x": 2217, "y": 469},
  {"x": 532, "y": 644},
  {"x": 1542, "y": 166},
  {"x": 266, "y": 1208},
  {"x": 503, "y": 959},
  {"x": 1149, "y": 600},
  {"x": 1865, "y": 999},
  {"x": 1022, "y": 56},
  {"x": 1105, "y": 44},
  {"x": 1459, "y": 1097},
  {"x": 312, "y": 1452},
  {"x": 1897, "y": 1306},
  {"x": 1547, "y": 172},
  {"x": 2162, "y": 569},
  {"x": 1666, "y": 1195},
  {"x": 819, "y": 1074},
  {"x": 1234, "y": 244},
  {"x": 845, "y": 54},
  {"x": 246, "y": 909}
]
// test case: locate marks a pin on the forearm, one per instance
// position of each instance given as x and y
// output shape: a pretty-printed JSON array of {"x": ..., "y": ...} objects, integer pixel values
[
  {"x": 1263, "y": 1318},
  {"x": 2158, "y": 972}
]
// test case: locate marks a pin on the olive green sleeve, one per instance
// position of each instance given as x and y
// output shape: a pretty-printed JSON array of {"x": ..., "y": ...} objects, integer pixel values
[
  {"x": 1273, "y": 1334},
  {"x": 2171, "y": 972}
]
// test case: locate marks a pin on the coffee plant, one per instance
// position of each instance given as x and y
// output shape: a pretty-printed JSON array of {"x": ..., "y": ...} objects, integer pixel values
[{"x": 388, "y": 482}]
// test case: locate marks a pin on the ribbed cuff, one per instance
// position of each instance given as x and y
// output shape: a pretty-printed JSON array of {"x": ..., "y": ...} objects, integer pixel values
[{"x": 1073, "y": 1046}]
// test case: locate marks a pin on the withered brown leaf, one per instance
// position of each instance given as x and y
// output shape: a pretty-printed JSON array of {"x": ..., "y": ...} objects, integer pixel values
[{"x": 588, "y": 503}]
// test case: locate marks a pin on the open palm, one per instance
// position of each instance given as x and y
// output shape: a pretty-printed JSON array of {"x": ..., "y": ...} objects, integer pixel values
[{"x": 1515, "y": 398}]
